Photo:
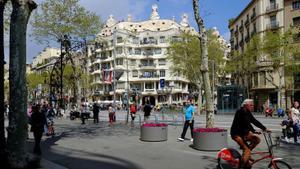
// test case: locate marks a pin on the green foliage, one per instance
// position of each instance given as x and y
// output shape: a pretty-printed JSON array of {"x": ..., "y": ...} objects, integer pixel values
[
  {"x": 186, "y": 55},
  {"x": 69, "y": 77},
  {"x": 281, "y": 50},
  {"x": 33, "y": 79},
  {"x": 231, "y": 20},
  {"x": 56, "y": 18}
]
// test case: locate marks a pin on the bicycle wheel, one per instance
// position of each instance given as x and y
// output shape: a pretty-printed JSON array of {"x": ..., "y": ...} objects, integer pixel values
[
  {"x": 279, "y": 164},
  {"x": 225, "y": 165}
]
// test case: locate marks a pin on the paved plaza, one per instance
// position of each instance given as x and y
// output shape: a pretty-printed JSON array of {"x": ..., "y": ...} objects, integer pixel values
[{"x": 94, "y": 146}]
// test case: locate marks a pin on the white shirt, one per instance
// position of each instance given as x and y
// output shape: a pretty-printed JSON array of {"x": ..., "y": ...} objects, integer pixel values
[{"x": 295, "y": 115}]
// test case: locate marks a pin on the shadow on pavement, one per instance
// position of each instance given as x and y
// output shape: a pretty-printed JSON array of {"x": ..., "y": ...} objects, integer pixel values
[{"x": 77, "y": 159}]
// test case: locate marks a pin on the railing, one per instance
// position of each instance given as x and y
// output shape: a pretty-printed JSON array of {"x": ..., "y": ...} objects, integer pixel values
[
  {"x": 241, "y": 43},
  {"x": 147, "y": 65},
  {"x": 272, "y": 7},
  {"x": 236, "y": 32},
  {"x": 148, "y": 76},
  {"x": 241, "y": 28},
  {"x": 247, "y": 38},
  {"x": 148, "y": 53},
  {"x": 236, "y": 47},
  {"x": 253, "y": 16},
  {"x": 253, "y": 33},
  {"x": 148, "y": 42},
  {"x": 247, "y": 22}
]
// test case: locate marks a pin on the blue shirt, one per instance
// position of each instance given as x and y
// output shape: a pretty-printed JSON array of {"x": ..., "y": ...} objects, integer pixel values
[{"x": 189, "y": 112}]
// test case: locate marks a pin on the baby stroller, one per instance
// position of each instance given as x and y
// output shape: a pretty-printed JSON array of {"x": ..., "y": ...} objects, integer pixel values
[{"x": 50, "y": 127}]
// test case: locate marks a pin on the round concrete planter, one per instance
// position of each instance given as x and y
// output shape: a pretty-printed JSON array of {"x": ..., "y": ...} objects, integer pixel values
[
  {"x": 154, "y": 133},
  {"x": 210, "y": 141}
]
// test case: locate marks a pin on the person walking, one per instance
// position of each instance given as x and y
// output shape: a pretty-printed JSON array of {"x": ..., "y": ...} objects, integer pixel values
[
  {"x": 111, "y": 115},
  {"x": 133, "y": 109},
  {"x": 147, "y": 111},
  {"x": 189, "y": 121},
  {"x": 296, "y": 121},
  {"x": 38, "y": 120},
  {"x": 96, "y": 109}
]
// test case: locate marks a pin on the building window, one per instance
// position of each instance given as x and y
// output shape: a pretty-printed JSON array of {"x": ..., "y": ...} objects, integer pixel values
[
  {"x": 119, "y": 39},
  {"x": 130, "y": 51},
  {"x": 262, "y": 78},
  {"x": 272, "y": 2},
  {"x": 133, "y": 62},
  {"x": 157, "y": 51},
  {"x": 137, "y": 51},
  {"x": 296, "y": 21},
  {"x": 162, "y": 73},
  {"x": 134, "y": 73},
  {"x": 161, "y": 62},
  {"x": 119, "y": 61},
  {"x": 149, "y": 85},
  {"x": 296, "y": 5},
  {"x": 255, "y": 79},
  {"x": 273, "y": 19},
  {"x": 121, "y": 85},
  {"x": 177, "y": 85},
  {"x": 135, "y": 40},
  {"x": 162, "y": 39},
  {"x": 119, "y": 51}
]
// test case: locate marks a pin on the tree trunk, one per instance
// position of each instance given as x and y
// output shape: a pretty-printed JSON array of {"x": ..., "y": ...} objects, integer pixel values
[
  {"x": 2, "y": 129},
  {"x": 204, "y": 66},
  {"x": 199, "y": 99},
  {"x": 17, "y": 129}
]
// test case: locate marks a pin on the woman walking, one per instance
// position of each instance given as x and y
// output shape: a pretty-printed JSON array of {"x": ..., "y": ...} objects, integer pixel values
[{"x": 38, "y": 120}]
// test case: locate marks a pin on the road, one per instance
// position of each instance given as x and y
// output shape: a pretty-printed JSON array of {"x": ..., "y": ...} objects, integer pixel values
[{"x": 95, "y": 146}]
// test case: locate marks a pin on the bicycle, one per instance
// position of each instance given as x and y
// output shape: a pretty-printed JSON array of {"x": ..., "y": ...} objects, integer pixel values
[{"x": 229, "y": 158}]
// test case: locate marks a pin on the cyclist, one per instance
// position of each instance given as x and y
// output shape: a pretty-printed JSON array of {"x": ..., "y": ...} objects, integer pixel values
[{"x": 243, "y": 132}]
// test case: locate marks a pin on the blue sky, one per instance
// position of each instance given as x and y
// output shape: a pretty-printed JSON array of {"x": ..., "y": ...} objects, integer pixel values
[{"x": 215, "y": 13}]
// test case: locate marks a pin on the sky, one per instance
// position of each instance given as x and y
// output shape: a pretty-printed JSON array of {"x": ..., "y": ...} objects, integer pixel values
[{"x": 215, "y": 13}]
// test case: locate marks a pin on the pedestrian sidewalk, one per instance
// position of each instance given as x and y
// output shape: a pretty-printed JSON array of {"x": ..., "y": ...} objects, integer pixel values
[{"x": 45, "y": 164}]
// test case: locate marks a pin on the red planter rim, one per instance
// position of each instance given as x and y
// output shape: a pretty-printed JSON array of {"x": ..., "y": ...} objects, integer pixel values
[
  {"x": 154, "y": 125},
  {"x": 209, "y": 130}
]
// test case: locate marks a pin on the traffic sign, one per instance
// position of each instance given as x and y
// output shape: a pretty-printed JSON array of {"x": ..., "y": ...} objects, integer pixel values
[{"x": 162, "y": 83}]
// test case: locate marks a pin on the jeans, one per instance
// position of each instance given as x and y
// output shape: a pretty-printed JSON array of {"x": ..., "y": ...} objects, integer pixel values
[
  {"x": 37, "y": 140},
  {"x": 187, "y": 124},
  {"x": 296, "y": 129}
]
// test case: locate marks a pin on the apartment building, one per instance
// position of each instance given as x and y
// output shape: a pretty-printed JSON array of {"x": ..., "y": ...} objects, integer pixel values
[
  {"x": 136, "y": 53},
  {"x": 258, "y": 17},
  {"x": 292, "y": 20},
  {"x": 45, "y": 60}
]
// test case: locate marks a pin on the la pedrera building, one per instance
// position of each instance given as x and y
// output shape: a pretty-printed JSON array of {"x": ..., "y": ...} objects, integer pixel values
[{"x": 131, "y": 58}]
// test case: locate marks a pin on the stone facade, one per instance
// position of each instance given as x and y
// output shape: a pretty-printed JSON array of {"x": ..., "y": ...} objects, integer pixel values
[
  {"x": 137, "y": 52},
  {"x": 258, "y": 17},
  {"x": 45, "y": 60}
]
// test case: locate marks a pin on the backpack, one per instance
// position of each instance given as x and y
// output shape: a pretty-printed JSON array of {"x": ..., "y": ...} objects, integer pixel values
[{"x": 132, "y": 108}]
